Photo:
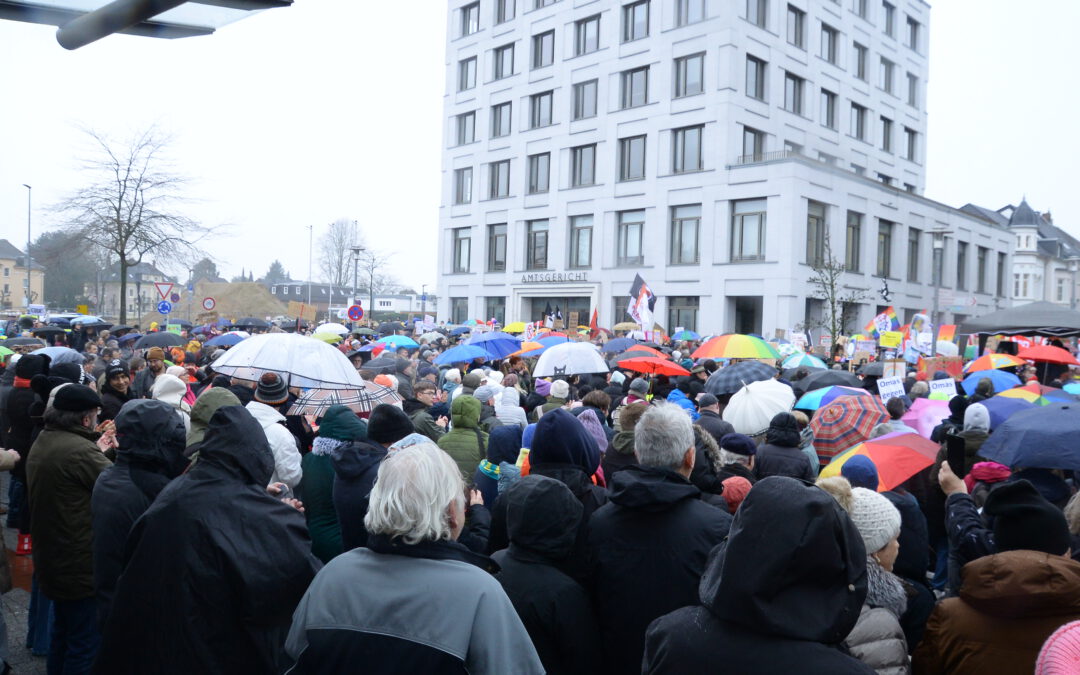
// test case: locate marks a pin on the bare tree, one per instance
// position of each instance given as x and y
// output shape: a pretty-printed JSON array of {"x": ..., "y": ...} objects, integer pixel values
[
  {"x": 128, "y": 206},
  {"x": 375, "y": 279},
  {"x": 826, "y": 284},
  {"x": 335, "y": 258}
]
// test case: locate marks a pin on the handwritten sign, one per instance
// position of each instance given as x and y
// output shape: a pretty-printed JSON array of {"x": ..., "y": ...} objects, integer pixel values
[
  {"x": 890, "y": 339},
  {"x": 890, "y": 387},
  {"x": 947, "y": 387}
]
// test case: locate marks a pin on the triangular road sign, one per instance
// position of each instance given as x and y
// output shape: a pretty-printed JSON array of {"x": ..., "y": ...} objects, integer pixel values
[{"x": 163, "y": 289}]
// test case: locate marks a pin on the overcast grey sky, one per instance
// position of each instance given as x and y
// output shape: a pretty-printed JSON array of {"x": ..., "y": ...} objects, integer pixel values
[{"x": 333, "y": 109}]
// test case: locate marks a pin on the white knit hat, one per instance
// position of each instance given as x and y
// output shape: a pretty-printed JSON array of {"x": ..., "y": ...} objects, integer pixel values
[
  {"x": 560, "y": 389},
  {"x": 875, "y": 517}
]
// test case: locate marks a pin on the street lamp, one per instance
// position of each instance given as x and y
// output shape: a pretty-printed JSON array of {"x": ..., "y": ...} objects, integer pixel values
[
  {"x": 939, "y": 248},
  {"x": 29, "y": 192},
  {"x": 356, "y": 250},
  {"x": 423, "y": 299}
]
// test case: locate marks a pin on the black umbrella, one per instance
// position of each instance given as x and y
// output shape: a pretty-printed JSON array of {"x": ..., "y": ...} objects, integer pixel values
[
  {"x": 826, "y": 378},
  {"x": 872, "y": 368},
  {"x": 45, "y": 331},
  {"x": 183, "y": 323},
  {"x": 122, "y": 328},
  {"x": 159, "y": 340},
  {"x": 388, "y": 327},
  {"x": 731, "y": 379},
  {"x": 252, "y": 322},
  {"x": 24, "y": 342},
  {"x": 60, "y": 321},
  {"x": 382, "y": 364}
]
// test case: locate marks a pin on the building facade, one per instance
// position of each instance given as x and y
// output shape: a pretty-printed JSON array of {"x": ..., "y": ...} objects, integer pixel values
[
  {"x": 13, "y": 283},
  {"x": 141, "y": 295},
  {"x": 722, "y": 149}
]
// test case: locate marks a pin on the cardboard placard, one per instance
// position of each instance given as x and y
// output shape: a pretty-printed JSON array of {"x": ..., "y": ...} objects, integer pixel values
[
  {"x": 172, "y": 328},
  {"x": 946, "y": 386},
  {"x": 893, "y": 368},
  {"x": 299, "y": 310},
  {"x": 953, "y": 365},
  {"x": 573, "y": 321},
  {"x": 890, "y": 339},
  {"x": 890, "y": 387},
  {"x": 859, "y": 358}
]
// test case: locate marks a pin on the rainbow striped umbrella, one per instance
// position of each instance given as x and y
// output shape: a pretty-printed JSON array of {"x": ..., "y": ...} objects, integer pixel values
[
  {"x": 846, "y": 422},
  {"x": 807, "y": 360},
  {"x": 736, "y": 346},
  {"x": 897, "y": 456},
  {"x": 1038, "y": 394},
  {"x": 992, "y": 362},
  {"x": 686, "y": 335},
  {"x": 826, "y": 395}
]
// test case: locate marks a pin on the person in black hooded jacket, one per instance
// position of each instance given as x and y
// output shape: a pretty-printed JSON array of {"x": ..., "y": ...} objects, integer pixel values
[
  {"x": 778, "y": 596},
  {"x": 150, "y": 454},
  {"x": 542, "y": 517},
  {"x": 214, "y": 568},
  {"x": 649, "y": 543},
  {"x": 780, "y": 455}
]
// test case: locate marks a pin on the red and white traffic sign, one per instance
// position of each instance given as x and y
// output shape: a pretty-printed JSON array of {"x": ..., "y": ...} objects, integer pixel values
[
  {"x": 208, "y": 304},
  {"x": 163, "y": 289},
  {"x": 356, "y": 312}
]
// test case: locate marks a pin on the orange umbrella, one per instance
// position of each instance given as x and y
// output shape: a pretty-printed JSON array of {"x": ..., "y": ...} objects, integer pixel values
[
  {"x": 653, "y": 365},
  {"x": 992, "y": 362},
  {"x": 642, "y": 348},
  {"x": 897, "y": 457},
  {"x": 1048, "y": 354},
  {"x": 526, "y": 347}
]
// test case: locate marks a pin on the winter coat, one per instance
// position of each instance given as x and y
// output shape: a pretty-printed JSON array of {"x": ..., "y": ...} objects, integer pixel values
[
  {"x": 63, "y": 466},
  {"x": 508, "y": 408},
  {"x": 7, "y": 383},
  {"x": 215, "y": 567},
  {"x": 317, "y": 492},
  {"x": 878, "y": 641},
  {"x": 287, "y": 467},
  {"x": 488, "y": 419},
  {"x": 465, "y": 442},
  {"x": 619, "y": 455},
  {"x": 392, "y": 607},
  {"x": 172, "y": 390},
  {"x": 205, "y": 406},
  {"x": 706, "y": 460},
  {"x": 543, "y": 517},
  {"x": 648, "y": 547},
  {"x": 111, "y": 402},
  {"x": 969, "y": 537},
  {"x": 355, "y": 466},
  {"x": 504, "y": 445},
  {"x": 20, "y": 425},
  {"x": 914, "y": 557},
  {"x": 150, "y": 454},
  {"x": 424, "y": 424},
  {"x": 142, "y": 383},
  {"x": 552, "y": 402},
  {"x": 1009, "y": 605},
  {"x": 775, "y": 460},
  {"x": 777, "y": 596},
  {"x": 715, "y": 425}
]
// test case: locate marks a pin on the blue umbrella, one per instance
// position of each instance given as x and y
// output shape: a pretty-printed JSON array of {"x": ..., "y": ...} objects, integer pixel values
[
  {"x": 461, "y": 354},
  {"x": 460, "y": 330},
  {"x": 128, "y": 337},
  {"x": 999, "y": 378},
  {"x": 1042, "y": 437},
  {"x": 226, "y": 340},
  {"x": 807, "y": 360},
  {"x": 496, "y": 345},
  {"x": 399, "y": 341},
  {"x": 618, "y": 345},
  {"x": 1002, "y": 408},
  {"x": 60, "y": 355},
  {"x": 1072, "y": 388},
  {"x": 686, "y": 335}
]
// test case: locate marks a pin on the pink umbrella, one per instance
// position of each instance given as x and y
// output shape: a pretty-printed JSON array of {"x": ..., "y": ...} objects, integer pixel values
[{"x": 925, "y": 414}]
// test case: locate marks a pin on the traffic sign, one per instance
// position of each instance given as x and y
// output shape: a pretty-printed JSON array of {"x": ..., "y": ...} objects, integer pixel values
[
  {"x": 163, "y": 288},
  {"x": 175, "y": 297},
  {"x": 356, "y": 312},
  {"x": 208, "y": 304},
  {"x": 164, "y": 307}
]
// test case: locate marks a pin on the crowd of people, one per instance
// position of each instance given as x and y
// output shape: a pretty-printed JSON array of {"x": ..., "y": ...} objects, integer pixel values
[{"x": 491, "y": 521}]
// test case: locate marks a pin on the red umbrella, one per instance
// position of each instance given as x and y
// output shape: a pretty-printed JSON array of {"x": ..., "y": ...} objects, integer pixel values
[
  {"x": 1048, "y": 354},
  {"x": 845, "y": 422},
  {"x": 653, "y": 365},
  {"x": 897, "y": 456}
]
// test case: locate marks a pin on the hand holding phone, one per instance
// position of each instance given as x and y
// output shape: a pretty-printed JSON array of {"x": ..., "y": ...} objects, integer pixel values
[{"x": 954, "y": 453}]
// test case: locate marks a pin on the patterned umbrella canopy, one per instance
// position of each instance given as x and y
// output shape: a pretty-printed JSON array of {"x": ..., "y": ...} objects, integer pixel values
[
  {"x": 807, "y": 360},
  {"x": 1038, "y": 394},
  {"x": 846, "y": 422},
  {"x": 732, "y": 378},
  {"x": 736, "y": 346},
  {"x": 993, "y": 361},
  {"x": 686, "y": 335},
  {"x": 826, "y": 395},
  {"x": 897, "y": 456},
  {"x": 317, "y": 401}
]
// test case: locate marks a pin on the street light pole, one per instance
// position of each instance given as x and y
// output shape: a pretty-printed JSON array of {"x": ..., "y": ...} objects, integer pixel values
[
  {"x": 423, "y": 299},
  {"x": 939, "y": 246},
  {"x": 311, "y": 239},
  {"x": 29, "y": 192},
  {"x": 355, "y": 270}
]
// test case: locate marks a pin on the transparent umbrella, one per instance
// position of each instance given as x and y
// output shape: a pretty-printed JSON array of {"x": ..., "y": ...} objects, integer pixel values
[
  {"x": 303, "y": 362},
  {"x": 753, "y": 407}
]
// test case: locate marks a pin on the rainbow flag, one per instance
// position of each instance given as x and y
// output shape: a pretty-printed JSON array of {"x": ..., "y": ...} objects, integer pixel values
[
  {"x": 886, "y": 321},
  {"x": 947, "y": 332}
]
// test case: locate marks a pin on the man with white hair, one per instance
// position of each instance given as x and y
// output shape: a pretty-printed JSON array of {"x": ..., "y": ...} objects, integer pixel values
[
  {"x": 650, "y": 541},
  {"x": 414, "y": 599}
]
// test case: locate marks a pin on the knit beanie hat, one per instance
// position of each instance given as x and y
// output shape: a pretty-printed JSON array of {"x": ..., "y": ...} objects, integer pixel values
[
  {"x": 388, "y": 424},
  {"x": 31, "y": 365},
  {"x": 271, "y": 390},
  {"x": 1025, "y": 520},
  {"x": 485, "y": 393},
  {"x": 342, "y": 424},
  {"x": 115, "y": 367},
  {"x": 471, "y": 381},
  {"x": 77, "y": 398},
  {"x": 740, "y": 444},
  {"x": 735, "y": 490},
  {"x": 639, "y": 386},
  {"x": 155, "y": 353},
  {"x": 876, "y": 519},
  {"x": 957, "y": 406},
  {"x": 861, "y": 472},
  {"x": 560, "y": 389},
  {"x": 543, "y": 387},
  {"x": 1060, "y": 653},
  {"x": 617, "y": 378},
  {"x": 976, "y": 416}
]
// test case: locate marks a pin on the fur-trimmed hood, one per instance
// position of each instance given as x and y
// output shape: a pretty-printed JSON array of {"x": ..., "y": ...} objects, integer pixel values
[{"x": 704, "y": 440}]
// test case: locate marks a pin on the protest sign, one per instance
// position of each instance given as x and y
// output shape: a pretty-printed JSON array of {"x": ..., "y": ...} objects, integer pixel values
[
  {"x": 946, "y": 386},
  {"x": 890, "y": 387}
]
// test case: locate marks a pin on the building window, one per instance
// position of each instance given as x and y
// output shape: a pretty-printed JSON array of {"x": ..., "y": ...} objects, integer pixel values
[
  {"x": 587, "y": 35},
  {"x": 500, "y": 119},
  {"x": 887, "y": 69},
  {"x": 886, "y": 134},
  {"x": 504, "y": 61},
  {"x": 688, "y": 12},
  {"x": 543, "y": 3},
  {"x": 682, "y": 312},
  {"x": 828, "y": 109},
  {"x": 499, "y": 175},
  {"x": 911, "y": 144},
  {"x": 980, "y": 279},
  {"x": 630, "y": 229},
  {"x": 466, "y": 128},
  {"x": 497, "y": 247},
  {"x": 689, "y": 75},
  {"x": 913, "y": 254},
  {"x": 912, "y": 34},
  {"x": 859, "y": 7},
  {"x": 908, "y": 187},
  {"x": 753, "y": 145},
  {"x": 463, "y": 185},
  {"x": 1000, "y": 279},
  {"x": 686, "y": 149},
  {"x": 796, "y": 24},
  {"x": 495, "y": 308},
  {"x": 539, "y": 172},
  {"x": 583, "y": 165},
  {"x": 462, "y": 246},
  {"x": 757, "y": 12},
  {"x": 816, "y": 231},
  {"x": 685, "y": 226},
  {"x": 543, "y": 49},
  {"x": 888, "y": 13},
  {"x": 635, "y": 87},
  {"x": 459, "y": 310},
  {"x": 885, "y": 178},
  {"x": 540, "y": 106},
  {"x": 755, "y": 78},
  {"x": 619, "y": 304},
  {"x": 748, "y": 229},
  {"x": 793, "y": 93},
  {"x": 632, "y": 158},
  {"x": 829, "y": 40},
  {"x": 273, "y": 289},
  {"x": 853, "y": 243},
  {"x": 858, "y": 121},
  {"x": 1020, "y": 285},
  {"x": 466, "y": 74},
  {"x": 860, "y": 61},
  {"x": 961, "y": 265},
  {"x": 884, "y": 248},
  {"x": 912, "y": 90},
  {"x": 470, "y": 18},
  {"x": 635, "y": 21},
  {"x": 585, "y": 100},
  {"x": 504, "y": 10},
  {"x": 536, "y": 244},
  {"x": 581, "y": 228},
  {"x": 1061, "y": 289}
]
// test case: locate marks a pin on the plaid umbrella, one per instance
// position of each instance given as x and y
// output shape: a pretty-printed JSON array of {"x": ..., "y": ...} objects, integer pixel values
[
  {"x": 318, "y": 401},
  {"x": 734, "y": 377},
  {"x": 845, "y": 422}
]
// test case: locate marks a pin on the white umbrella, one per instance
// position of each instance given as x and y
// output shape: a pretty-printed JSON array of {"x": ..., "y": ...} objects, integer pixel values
[
  {"x": 946, "y": 348},
  {"x": 753, "y": 407},
  {"x": 570, "y": 358},
  {"x": 303, "y": 362},
  {"x": 335, "y": 328}
]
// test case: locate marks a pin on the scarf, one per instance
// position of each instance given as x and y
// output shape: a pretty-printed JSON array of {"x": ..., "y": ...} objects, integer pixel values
[
  {"x": 884, "y": 589},
  {"x": 488, "y": 469},
  {"x": 326, "y": 446},
  {"x": 21, "y": 383}
]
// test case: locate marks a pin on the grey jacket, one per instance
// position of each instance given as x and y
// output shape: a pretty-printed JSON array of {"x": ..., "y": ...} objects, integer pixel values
[{"x": 878, "y": 641}]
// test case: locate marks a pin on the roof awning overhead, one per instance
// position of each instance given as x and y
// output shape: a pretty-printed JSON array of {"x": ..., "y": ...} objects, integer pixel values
[
  {"x": 1037, "y": 318},
  {"x": 81, "y": 22}
]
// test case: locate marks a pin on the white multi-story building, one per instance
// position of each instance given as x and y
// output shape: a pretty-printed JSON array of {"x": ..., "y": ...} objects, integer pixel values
[{"x": 719, "y": 148}]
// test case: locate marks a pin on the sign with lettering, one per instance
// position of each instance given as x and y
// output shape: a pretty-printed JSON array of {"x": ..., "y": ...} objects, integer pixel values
[
  {"x": 890, "y": 387},
  {"x": 948, "y": 387},
  {"x": 553, "y": 277},
  {"x": 573, "y": 321},
  {"x": 890, "y": 339}
]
